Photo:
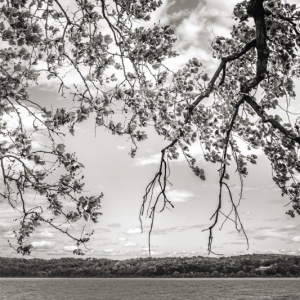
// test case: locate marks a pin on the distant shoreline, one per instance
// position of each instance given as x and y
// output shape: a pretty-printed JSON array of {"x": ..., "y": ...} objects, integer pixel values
[
  {"x": 156, "y": 278},
  {"x": 244, "y": 266}
]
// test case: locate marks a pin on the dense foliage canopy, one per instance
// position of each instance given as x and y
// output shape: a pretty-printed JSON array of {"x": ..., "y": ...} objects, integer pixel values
[{"x": 125, "y": 85}]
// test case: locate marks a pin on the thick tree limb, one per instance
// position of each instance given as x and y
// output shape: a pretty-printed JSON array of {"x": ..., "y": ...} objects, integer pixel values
[
  {"x": 269, "y": 119},
  {"x": 256, "y": 9},
  {"x": 222, "y": 67}
]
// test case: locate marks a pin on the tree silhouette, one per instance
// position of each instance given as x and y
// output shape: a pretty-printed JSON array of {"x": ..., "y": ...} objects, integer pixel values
[{"x": 119, "y": 65}]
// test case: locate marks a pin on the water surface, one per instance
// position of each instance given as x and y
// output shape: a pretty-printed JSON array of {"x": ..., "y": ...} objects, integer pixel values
[{"x": 147, "y": 289}]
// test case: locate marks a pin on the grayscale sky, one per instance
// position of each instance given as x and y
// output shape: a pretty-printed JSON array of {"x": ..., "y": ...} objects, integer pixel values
[{"x": 110, "y": 169}]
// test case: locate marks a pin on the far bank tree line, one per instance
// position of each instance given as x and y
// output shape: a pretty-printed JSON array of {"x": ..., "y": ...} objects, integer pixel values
[{"x": 171, "y": 267}]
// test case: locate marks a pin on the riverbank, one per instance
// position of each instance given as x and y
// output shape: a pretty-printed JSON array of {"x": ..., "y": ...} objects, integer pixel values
[{"x": 256, "y": 265}]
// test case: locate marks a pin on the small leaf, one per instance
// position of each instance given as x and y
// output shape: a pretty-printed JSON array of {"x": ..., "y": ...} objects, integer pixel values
[
  {"x": 107, "y": 39},
  {"x": 60, "y": 148},
  {"x": 205, "y": 77},
  {"x": 121, "y": 93}
]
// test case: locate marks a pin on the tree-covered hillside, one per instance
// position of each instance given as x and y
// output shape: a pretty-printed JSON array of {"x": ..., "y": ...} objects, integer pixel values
[{"x": 255, "y": 265}]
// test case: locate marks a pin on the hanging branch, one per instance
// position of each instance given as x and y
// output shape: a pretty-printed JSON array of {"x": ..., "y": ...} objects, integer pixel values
[
  {"x": 256, "y": 10},
  {"x": 160, "y": 179},
  {"x": 222, "y": 173}
]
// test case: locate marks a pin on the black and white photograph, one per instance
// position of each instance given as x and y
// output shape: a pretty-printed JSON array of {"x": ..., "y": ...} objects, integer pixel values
[{"x": 149, "y": 149}]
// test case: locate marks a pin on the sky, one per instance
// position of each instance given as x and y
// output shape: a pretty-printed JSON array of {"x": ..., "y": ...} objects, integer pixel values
[{"x": 110, "y": 169}]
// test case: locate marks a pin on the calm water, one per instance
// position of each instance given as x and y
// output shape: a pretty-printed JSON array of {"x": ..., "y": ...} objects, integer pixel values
[{"x": 148, "y": 289}]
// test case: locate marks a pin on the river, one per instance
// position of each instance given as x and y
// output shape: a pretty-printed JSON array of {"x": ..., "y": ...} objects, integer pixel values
[{"x": 147, "y": 289}]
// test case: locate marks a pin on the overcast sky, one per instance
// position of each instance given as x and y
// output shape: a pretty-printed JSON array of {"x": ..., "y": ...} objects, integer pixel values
[{"x": 110, "y": 169}]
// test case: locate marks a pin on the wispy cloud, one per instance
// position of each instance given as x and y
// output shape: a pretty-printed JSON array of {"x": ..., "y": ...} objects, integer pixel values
[
  {"x": 149, "y": 160},
  {"x": 130, "y": 244},
  {"x": 166, "y": 230},
  {"x": 175, "y": 196},
  {"x": 121, "y": 148},
  {"x": 288, "y": 233},
  {"x": 176, "y": 229},
  {"x": 69, "y": 248},
  {"x": 134, "y": 230},
  {"x": 6, "y": 226},
  {"x": 8, "y": 235},
  {"x": 42, "y": 245},
  {"x": 114, "y": 225},
  {"x": 103, "y": 230},
  {"x": 56, "y": 252},
  {"x": 108, "y": 251},
  {"x": 128, "y": 253},
  {"x": 279, "y": 251},
  {"x": 179, "y": 195},
  {"x": 296, "y": 239},
  {"x": 44, "y": 235},
  {"x": 196, "y": 27},
  {"x": 195, "y": 151}
]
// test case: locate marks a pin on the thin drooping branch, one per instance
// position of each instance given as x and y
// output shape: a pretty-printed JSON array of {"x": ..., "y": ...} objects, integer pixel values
[
  {"x": 81, "y": 240},
  {"x": 222, "y": 174},
  {"x": 161, "y": 178},
  {"x": 63, "y": 11}
]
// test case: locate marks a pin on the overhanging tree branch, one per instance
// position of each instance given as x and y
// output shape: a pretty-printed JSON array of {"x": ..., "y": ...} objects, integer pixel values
[
  {"x": 269, "y": 119},
  {"x": 222, "y": 67}
]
